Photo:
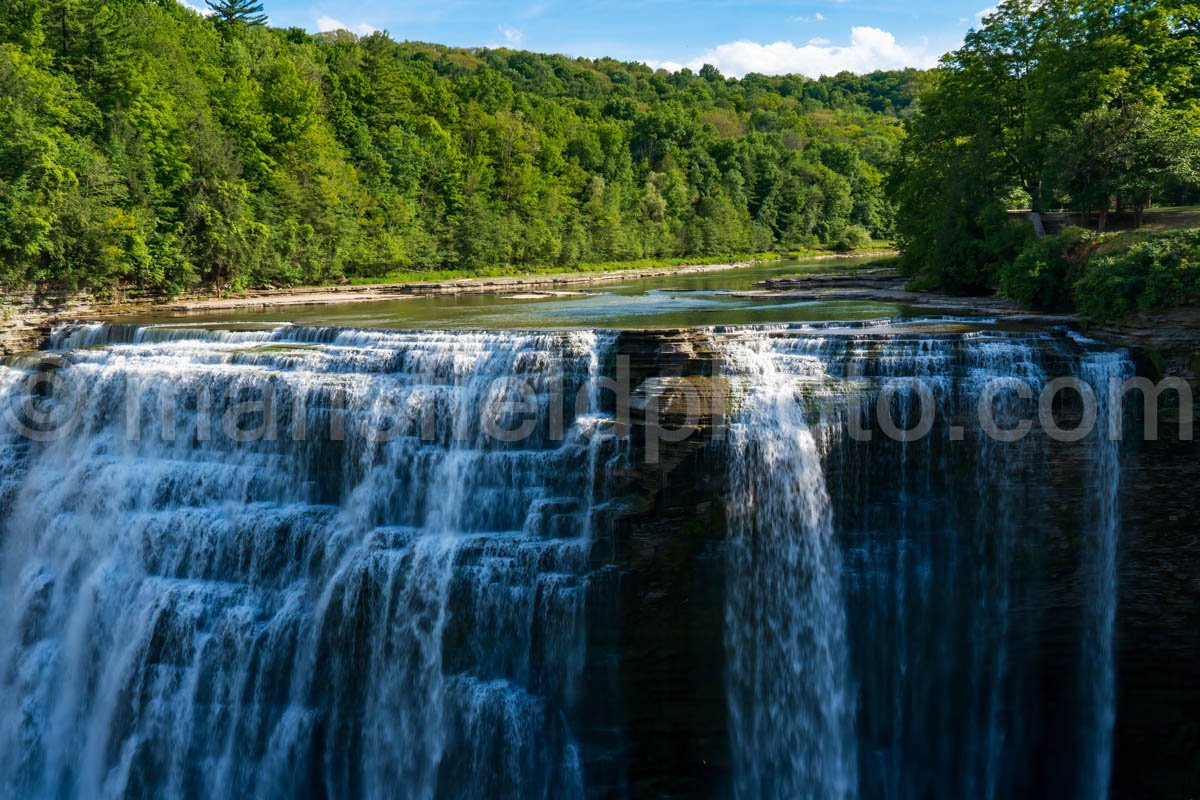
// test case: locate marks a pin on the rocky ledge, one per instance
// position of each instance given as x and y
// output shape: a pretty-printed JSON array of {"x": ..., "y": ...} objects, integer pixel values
[
  {"x": 27, "y": 317},
  {"x": 888, "y": 286},
  {"x": 1165, "y": 342}
]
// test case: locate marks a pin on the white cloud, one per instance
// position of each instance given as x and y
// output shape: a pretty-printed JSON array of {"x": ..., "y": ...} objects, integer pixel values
[
  {"x": 818, "y": 17},
  {"x": 199, "y": 7},
  {"x": 983, "y": 14},
  {"x": 512, "y": 36},
  {"x": 329, "y": 24},
  {"x": 819, "y": 41},
  {"x": 869, "y": 49}
]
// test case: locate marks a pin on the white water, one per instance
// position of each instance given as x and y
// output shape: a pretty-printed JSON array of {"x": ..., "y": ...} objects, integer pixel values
[
  {"x": 790, "y": 698},
  {"x": 1098, "y": 672},
  {"x": 399, "y": 614},
  {"x": 886, "y": 652}
]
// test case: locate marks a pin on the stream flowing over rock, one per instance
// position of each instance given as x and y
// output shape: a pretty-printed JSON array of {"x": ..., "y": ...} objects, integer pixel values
[
  {"x": 275, "y": 561},
  {"x": 287, "y": 615}
]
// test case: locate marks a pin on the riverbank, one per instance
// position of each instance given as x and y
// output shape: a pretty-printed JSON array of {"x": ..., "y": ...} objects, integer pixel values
[
  {"x": 1163, "y": 344},
  {"x": 562, "y": 283},
  {"x": 535, "y": 285}
]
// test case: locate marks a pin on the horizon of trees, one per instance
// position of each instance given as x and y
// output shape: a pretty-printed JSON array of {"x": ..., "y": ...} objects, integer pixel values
[{"x": 143, "y": 145}]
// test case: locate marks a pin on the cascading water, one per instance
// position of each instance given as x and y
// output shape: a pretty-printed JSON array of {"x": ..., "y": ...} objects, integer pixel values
[
  {"x": 790, "y": 703},
  {"x": 322, "y": 562},
  {"x": 1102, "y": 372},
  {"x": 880, "y": 632},
  {"x": 299, "y": 562}
]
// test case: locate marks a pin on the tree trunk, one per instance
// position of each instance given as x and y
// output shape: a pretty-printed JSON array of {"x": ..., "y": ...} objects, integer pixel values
[{"x": 1034, "y": 188}]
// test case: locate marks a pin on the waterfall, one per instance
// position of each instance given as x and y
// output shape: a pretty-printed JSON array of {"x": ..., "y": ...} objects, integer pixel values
[
  {"x": 299, "y": 562},
  {"x": 789, "y": 696},
  {"x": 1101, "y": 371},
  {"x": 880, "y": 631},
  {"x": 270, "y": 560}
]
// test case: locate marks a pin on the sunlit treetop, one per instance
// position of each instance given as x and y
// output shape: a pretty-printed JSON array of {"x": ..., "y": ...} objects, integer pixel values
[{"x": 239, "y": 12}]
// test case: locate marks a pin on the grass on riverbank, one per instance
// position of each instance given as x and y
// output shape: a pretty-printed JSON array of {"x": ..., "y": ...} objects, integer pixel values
[
  {"x": 1167, "y": 218},
  {"x": 523, "y": 272}
]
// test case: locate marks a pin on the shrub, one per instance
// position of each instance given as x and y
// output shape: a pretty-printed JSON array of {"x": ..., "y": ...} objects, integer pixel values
[
  {"x": 854, "y": 237},
  {"x": 966, "y": 250},
  {"x": 1041, "y": 276},
  {"x": 1158, "y": 273}
]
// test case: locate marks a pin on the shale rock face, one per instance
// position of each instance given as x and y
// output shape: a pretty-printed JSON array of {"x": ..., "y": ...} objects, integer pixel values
[
  {"x": 1158, "y": 620},
  {"x": 1165, "y": 343},
  {"x": 655, "y": 621},
  {"x": 25, "y": 319}
]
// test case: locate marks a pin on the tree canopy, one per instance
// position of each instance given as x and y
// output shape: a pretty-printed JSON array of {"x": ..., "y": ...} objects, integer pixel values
[
  {"x": 142, "y": 144},
  {"x": 1087, "y": 104}
]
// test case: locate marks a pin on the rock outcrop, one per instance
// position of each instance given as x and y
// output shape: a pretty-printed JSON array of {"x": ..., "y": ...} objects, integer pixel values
[
  {"x": 27, "y": 317},
  {"x": 889, "y": 286},
  {"x": 1164, "y": 343}
]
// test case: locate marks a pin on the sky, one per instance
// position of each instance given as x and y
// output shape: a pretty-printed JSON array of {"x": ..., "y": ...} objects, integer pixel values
[{"x": 811, "y": 37}]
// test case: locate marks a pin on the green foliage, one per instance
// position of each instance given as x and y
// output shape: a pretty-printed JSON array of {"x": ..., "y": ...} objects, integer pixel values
[
  {"x": 854, "y": 237},
  {"x": 144, "y": 145},
  {"x": 1089, "y": 104},
  {"x": 1160, "y": 272},
  {"x": 1041, "y": 276},
  {"x": 238, "y": 12},
  {"x": 1127, "y": 152}
]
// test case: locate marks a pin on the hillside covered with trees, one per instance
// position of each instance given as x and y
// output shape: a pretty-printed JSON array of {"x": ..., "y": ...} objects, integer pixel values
[
  {"x": 1087, "y": 105},
  {"x": 143, "y": 145}
]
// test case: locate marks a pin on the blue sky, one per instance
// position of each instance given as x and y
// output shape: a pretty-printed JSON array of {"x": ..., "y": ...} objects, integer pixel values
[{"x": 814, "y": 37}]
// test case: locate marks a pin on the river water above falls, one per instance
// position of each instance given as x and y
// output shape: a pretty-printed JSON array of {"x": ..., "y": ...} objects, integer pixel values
[
  {"x": 294, "y": 561},
  {"x": 665, "y": 301}
]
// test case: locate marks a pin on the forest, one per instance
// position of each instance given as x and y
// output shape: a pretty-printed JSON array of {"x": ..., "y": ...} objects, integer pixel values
[
  {"x": 146, "y": 147},
  {"x": 1087, "y": 106}
]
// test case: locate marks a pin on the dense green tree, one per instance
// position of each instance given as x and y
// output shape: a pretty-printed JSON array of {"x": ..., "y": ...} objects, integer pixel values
[
  {"x": 238, "y": 12},
  {"x": 1119, "y": 156}
]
